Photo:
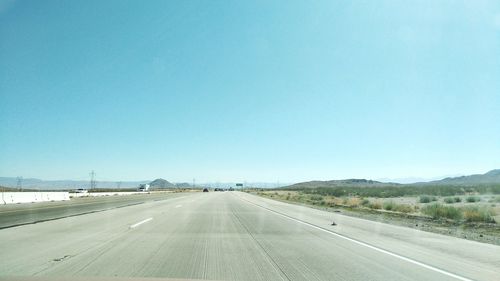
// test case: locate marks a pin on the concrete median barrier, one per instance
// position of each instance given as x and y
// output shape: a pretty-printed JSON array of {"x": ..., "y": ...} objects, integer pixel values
[
  {"x": 116, "y": 193},
  {"x": 32, "y": 197}
]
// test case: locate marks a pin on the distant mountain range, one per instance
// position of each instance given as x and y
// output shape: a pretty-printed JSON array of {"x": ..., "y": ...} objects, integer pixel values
[
  {"x": 491, "y": 177},
  {"x": 32, "y": 183}
]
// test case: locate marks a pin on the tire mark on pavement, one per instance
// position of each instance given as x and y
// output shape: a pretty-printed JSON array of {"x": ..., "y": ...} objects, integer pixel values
[
  {"x": 270, "y": 258},
  {"x": 407, "y": 259}
]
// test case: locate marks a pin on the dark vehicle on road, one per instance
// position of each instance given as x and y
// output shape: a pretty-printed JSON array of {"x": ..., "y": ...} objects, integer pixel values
[{"x": 205, "y": 190}]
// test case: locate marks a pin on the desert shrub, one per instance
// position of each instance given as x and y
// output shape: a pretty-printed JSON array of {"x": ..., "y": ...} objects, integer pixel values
[
  {"x": 365, "y": 202},
  {"x": 316, "y": 197},
  {"x": 472, "y": 199},
  {"x": 398, "y": 191},
  {"x": 426, "y": 199},
  {"x": 353, "y": 202},
  {"x": 449, "y": 200},
  {"x": 389, "y": 206},
  {"x": 403, "y": 208},
  {"x": 318, "y": 202},
  {"x": 438, "y": 211},
  {"x": 476, "y": 214},
  {"x": 375, "y": 206}
]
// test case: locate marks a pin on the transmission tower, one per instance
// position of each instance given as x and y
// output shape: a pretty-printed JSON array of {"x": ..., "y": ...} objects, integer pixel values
[
  {"x": 20, "y": 183},
  {"x": 92, "y": 180}
]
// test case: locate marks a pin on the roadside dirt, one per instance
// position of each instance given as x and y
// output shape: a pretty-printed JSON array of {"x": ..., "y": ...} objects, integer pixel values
[{"x": 481, "y": 232}]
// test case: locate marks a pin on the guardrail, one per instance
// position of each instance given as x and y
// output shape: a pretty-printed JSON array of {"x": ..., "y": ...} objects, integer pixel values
[{"x": 32, "y": 197}]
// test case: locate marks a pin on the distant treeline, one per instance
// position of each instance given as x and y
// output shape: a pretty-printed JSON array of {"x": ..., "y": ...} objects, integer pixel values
[{"x": 398, "y": 191}]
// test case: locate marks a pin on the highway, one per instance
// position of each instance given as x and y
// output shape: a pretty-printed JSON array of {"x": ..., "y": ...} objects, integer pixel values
[
  {"x": 21, "y": 214},
  {"x": 228, "y": 236}
]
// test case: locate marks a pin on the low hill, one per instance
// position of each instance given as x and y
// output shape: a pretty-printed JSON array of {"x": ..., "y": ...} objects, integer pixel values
[
  {"x": 339, "y": 183},
  {"x": 161, "y": 183}
]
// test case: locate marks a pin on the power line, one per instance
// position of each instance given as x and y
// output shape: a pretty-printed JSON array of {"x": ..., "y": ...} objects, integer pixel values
[
  {"x": 19, "y": 184},
  {"x": 92, "y": 180}
]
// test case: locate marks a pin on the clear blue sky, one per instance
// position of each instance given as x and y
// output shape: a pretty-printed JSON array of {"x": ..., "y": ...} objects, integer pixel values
[{"x": 249, "y": 90}]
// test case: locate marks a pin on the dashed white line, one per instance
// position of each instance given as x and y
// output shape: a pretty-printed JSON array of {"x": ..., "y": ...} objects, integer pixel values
[
  {"x": 178, "y": 206},
  {"x": 141, "y": 222}
]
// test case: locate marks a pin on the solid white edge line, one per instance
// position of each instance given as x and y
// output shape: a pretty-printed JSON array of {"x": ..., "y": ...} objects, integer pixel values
[
  {"x": 141, "y": 222},
  {"x": 366, "y": 245}
]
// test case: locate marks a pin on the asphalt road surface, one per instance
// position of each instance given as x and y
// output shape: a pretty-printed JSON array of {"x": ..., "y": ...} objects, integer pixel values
[
  {"x": 232, "y": 236},
  {"x": 20, "y": 214}
]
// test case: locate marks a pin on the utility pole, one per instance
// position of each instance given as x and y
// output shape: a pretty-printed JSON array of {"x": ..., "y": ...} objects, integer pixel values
[
  {"x": 20, "y": 183},
  {"x": 118, "y": 184},
  {"x": 194, "y": 183},
  {"x": 92, "y": 180}
]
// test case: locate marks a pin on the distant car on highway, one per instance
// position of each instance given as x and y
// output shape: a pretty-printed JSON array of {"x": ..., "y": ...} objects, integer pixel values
[
  {"x": 81, "y": 190},
  {"x": 205, "y": 190}
]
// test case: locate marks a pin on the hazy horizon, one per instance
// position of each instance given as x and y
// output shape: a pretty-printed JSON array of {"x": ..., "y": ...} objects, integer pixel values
[{"x": 401, "y": 180}]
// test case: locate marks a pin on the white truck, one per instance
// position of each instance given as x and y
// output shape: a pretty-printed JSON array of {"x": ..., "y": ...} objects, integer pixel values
[{"x": 143, "y": 188}]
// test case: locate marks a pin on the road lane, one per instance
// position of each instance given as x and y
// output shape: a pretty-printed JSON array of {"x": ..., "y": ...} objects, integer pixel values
[
  {"x": 217, "y": 236},
  {"x": 469, "y": 258},
  {"x": 20, "y": 214}
]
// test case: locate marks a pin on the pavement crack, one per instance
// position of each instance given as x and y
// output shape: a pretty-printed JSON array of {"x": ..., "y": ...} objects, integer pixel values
[{"x": 62, "y": 258}]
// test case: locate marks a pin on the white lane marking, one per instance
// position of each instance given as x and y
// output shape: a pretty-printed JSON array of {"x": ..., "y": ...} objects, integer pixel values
[
  {"x": 178, "y": 206},
  {"x": 367, "y": 245},
  {"x": 141, "y": 222}
]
